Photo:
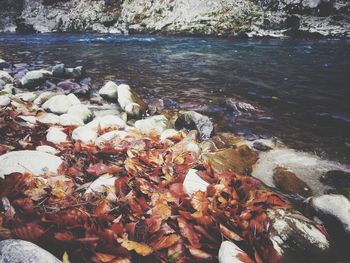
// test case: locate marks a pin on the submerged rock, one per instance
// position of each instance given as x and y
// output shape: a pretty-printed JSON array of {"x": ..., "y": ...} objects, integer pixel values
[
  {"x": 289, "y": 183},
  {"x": 193, "y": 183},
  {"x": 109, "y": 90},
  {"x": 34, "y": 78},
  {"x": 193, "y": 120},
  {"x": 229, "y": 252},
  {"x": 159, "y": 123},
  {"x": 20, "y": 251},
  {"x": 34, "y": 162}
]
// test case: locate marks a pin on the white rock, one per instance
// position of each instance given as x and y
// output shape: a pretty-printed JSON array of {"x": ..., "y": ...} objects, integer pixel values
[
  {"x": 159, "y": 123},
  {"x": 229, "y": 252},
  {"x": 27, "y": 96},
  {"x": 5, "y": 76},
  {"x": 49, "y": 118},
  {"x": 101, "y": 184},
  {"x": 109, "y": 90},
  {"x": 70, "y": 120},
  {"x": 84, "y": 134},
  {"x": 81, "y": 111},
  {"x": 168, "y": 133},
  {"x": 106, "y": 122},
  {"x": 4, "y": 100},
  {"x": 332, "y": 205},
  {"x": 9, "y": 88},
  {"x": 47, "y": 149},
  {"x": 133, "y": 110},
  {"x": 34, "y": 162},
  {"x": 35, "y": 77},
  {"x": 125, "y": 95},
  {"x": 29, "y": 119},
  {"x": 44, "y": 97},
  {"x": 73, "y": 99},
  {"x": 193, "y": 183},
  {"x": 58, "y": 104},
  {"x": 56, "y": 135},
  {"x": 109, "y": 136}
]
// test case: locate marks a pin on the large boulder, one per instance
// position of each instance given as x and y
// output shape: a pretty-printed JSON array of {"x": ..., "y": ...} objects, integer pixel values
[
  {"x": 60, "y": 104},
  {"x": 34, "y": 162},
  {"x": 109, "y": 90},
  {"x": 159, "y": 123},
  {"x": 34, "y": 78},
  {"x": 20, "y": 251},
  {"x": 194, "y": 120}
]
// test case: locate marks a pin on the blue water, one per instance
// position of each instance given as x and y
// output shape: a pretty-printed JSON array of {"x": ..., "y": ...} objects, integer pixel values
[{"x": 302, "y": 87}]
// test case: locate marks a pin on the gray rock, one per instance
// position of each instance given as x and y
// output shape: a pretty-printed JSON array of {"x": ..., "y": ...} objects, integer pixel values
[
  {"x": 73, "y": 72},
  {"x": 20, "y": 251},
  {"x": 194, "y": 120},
  {"x": 34, "y": 78},
  {"x": 109, "y": 90},
  {"x": 58, "y": 70}
]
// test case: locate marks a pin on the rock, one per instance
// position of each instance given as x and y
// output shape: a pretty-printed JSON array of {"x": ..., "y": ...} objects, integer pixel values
[
  {"x": 9, "y": 88},
  {"x": 46, "y": 149},
  {"x": 56, "y": 135},
  {"x": 106, "y": 122},
  {"x": 239, "y": 160},
  {"x": 5, "y": 77},
  {"x": 20, "y": 251},
  {"x": 109, "y": 90},
  {"x": 297, "y": 238},
  {"x": 69, "y": 86},
  {"x": 158, "y": 123},
  {"x": 44, "y": 97},
  {"x": 260, "y": 146},
  {"x": 82, "y": 112},
  {"x": 27, "y": 96},
  {"x": 70, "y": 120},
  {"x": 193, "y": 183},
  {"x": 289, "y": 183},
  {"x": 60, "y": 104},
  {"x": 336, "y": 178},
  {"x": 127, "y": 96},
  {"x": 4, "y": 64},
  {"x": 84, "y": 134},
  {"x": 34, "y": 78},
  {"x": 4, "y": 100},
  {"x": 110, "y": 136},
  {"x": 73, "y": 72},
  {"x": 168, "y": 133},
  {"x": 193, "y": 120},
  {"x": 133, "y": 110},
  {"x": 101, "y": 184},
  {"x": 2, "y": 84},
  {"x": 334, "y": 207},
  {"x": 239, "y": 106},
  {"x": 49, "y": 118},
  {"x": 58, "y": 70},
  {"x": 29, "y": 119},
  {"x": 229, "y": 252},
  {"x": 34, "y": 162}
]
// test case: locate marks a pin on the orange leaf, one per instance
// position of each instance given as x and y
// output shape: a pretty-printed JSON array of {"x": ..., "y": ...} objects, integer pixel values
[
  {"x": 199, "y": 254},
  {"x": 229, "y": 233},
  {"x": 188, "y": 232},
  {"x": 165, "y": 242}
]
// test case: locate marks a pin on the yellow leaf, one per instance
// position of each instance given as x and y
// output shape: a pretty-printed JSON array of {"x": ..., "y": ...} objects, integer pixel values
[
  {"x": 140, "y": 248},
  {"x": 65, "y": 258}
]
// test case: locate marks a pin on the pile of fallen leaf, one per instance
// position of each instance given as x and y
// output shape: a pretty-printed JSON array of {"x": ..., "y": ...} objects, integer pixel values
[{"x": 146, "y": 216}]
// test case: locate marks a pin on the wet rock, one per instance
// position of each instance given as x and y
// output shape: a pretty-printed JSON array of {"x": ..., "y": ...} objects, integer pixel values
[
  {"x": 34, "y": 78},
  {"x": 193, "y": 120},
  {"x": 49, "y": 118},
  {"x": 46, "y": 149},
  {"x": 193, "y": 183},
  {"x": 336, "y": 178},
  {"x": 27, "y": 96},
  {"x": 82, "y": 112},
  {"x": 109, "y": 90},
  {"x": 5, "y": 77},
  {"x": 127, "y": 96},
  {"x": 261, "y": 146},
  {"x": 133, "y": 110},
  {"x": 289, "y": 183},
  {"x": 75, "y": 73},
  {"x": 4, "y": 100},
  {"x": 159, "y": 123},
  {"x": 70, "y": 120},
  {"x": 13, "y": 251},
  {"x": 297, "y": 238},
  {"x": 60, "y": 104},
  {"x": 238, "y": 160},
  {"x": 229, "y": 252},
  {"x": 106, "y": 122},
  {"x": 85, "y": 135},
  {"x": 239, "y": 106},
  {"x": 44, "y": 97},
  {"x": 34, "y": 162},
  {"x": 333, "y": 207},
  {"x": 58, "y": 70},
  {"x": 56, "y": 135}
]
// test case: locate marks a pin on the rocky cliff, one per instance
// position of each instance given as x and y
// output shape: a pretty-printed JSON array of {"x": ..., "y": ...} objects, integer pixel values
[{"x": 213, "y": 17}]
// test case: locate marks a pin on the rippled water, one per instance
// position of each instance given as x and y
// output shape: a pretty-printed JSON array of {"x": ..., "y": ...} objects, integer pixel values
[{"x": 302, "y": 87}]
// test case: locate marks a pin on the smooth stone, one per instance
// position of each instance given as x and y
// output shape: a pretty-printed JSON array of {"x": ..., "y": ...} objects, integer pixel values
[
  {"x": 229, "y": 252},
  {"x": 29, "y": 119},
  {"x": 159, "y": 123},
  {"x": 109, "y": 90},
  {"x": 81, "y": 111},
  {"x": 289, "y": 183},
  {"x": 34, "y": 162},
  {"x": 44, "y": 97},
  {"x": 73, "y": 99},
  {"x": 239, "y": 160},
  {"x": 60, "y": 104},
  {"x": 133, "y": 110},
  {"x": 34, "y": 78},
  {"x": 106, "y": 122},
  {"x": 9, "y": 88},
  {"x": 5, "y": 77},
  {"x": 2, "y": 84},
  {"x": 73, "y": 72},
  {"x": 67, "y": 119},
  {"x": 46, "y": 149},
  {"x": 20, "y": 251},
  {"x": 193, "y": 183},
  {"x": 85, "y": 135},
  {"x": 127, "y": 96},
  {"x": 109, "y": 136},
  {"x": 4, "y": 100},
  {"x": 49, "y": 118},
  {"x": 333, "y": 206},
  {"x": 168, "y": 133},
  {"x": 58, "y": 70},
  {"x": 194, "y": 120},
  {"x": 336, "y": 178},
  {"x": 102, "y": 184},
  {"x": 27, "y": 96},
  {"x": 56, "y": 135}
]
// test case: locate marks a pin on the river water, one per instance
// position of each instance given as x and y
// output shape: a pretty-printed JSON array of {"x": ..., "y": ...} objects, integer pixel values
[{"x": 301, "y": 87}]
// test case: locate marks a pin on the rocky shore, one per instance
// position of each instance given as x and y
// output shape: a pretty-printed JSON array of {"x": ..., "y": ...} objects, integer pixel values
[
  {"x": 108, "y": 177},
  {"x": 243, "y": 18}
]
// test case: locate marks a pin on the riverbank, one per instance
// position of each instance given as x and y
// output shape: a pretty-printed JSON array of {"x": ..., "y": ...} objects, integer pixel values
[{"x": 105, "y": 176}]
